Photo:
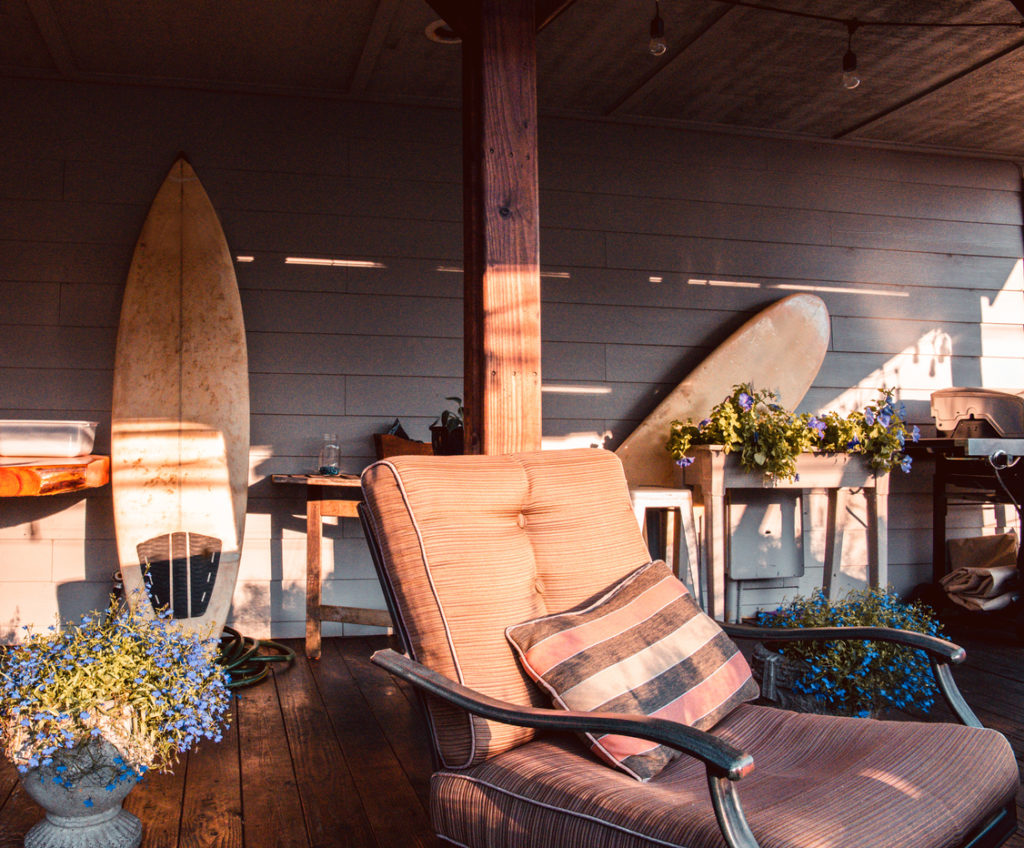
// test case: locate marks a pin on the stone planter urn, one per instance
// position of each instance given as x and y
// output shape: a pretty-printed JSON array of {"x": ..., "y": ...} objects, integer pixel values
[
  {"x": 88, "y": 815},
  {"x": 776, "y": 674}
]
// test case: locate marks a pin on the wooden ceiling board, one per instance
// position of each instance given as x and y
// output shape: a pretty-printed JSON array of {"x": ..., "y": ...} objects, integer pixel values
[
  {"x": 411, "y": 66},
  {"x": 595, "y": 53},
  {"x": 21, "y": 42},
  {"x": 725, "y": 66},
  {"x": 980, "y": 112},
  {"x": 758, "y": 69},
  {"x": 273, "y": 43}
]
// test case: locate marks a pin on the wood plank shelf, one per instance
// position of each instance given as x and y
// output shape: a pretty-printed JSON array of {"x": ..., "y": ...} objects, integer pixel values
[{"x": 29, "y": 476}]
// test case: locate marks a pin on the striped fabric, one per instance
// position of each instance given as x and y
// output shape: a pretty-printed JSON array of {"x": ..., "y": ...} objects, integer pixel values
[
  {"x": 818, "y": 782},
  {"x": 644, "y": 647}
]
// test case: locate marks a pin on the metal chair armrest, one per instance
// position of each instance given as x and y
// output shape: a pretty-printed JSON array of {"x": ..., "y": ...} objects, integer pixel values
[{"x": 720, "y": 757}]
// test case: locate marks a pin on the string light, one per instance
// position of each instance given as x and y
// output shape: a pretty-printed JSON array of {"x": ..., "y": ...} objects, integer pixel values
[
  {"x": 657, "y": 45},
  {"x": 850, "y": 77}
]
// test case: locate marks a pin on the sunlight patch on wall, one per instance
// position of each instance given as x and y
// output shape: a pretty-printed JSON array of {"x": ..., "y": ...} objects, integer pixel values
[
  {"x": 591, "y": 439},
  {"x": 918, "y": 370},
  {"x": 1001, "y": 319}
]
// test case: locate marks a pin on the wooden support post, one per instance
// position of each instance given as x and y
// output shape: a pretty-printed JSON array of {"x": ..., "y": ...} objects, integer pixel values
[{"x": 501, "y": 231}]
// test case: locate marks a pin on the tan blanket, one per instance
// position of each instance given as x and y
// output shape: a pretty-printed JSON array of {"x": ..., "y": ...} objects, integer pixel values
[{"x": 979, "y": 588}]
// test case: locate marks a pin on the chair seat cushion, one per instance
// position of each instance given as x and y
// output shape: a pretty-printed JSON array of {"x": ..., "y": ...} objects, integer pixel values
[
  {"x": 643, "y": 647},
  {"x": 818, "y": 782}
]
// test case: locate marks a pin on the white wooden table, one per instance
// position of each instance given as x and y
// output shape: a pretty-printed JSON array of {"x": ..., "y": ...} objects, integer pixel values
[{"x": 716, "y": 474}]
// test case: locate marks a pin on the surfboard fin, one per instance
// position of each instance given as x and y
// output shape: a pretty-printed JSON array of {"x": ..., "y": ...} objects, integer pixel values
[{"x": 180, "y": 570}]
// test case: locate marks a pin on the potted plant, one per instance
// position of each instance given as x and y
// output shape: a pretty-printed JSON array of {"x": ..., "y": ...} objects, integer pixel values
[
  {"x": 86, "y": 710},
  {"x": 448, "y": 432},
  {"x": 847, "y": 677},
  {"x": 769, "y": 438}
]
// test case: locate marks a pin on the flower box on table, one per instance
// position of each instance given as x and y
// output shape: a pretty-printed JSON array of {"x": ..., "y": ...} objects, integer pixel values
[{"x": 716, "y": 473}]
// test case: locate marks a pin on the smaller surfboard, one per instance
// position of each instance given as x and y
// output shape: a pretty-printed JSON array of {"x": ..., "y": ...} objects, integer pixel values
[{"x": 781, "y": 348}]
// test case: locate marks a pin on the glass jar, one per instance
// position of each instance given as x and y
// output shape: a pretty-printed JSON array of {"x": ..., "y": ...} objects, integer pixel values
[{"x": 330, "y": 456}]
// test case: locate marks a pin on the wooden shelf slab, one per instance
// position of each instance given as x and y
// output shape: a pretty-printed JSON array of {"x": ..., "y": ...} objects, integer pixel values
[{"x": 22, "y": 476}]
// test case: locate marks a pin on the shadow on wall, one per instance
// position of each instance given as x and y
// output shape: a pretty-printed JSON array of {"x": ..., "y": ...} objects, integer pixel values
[{"x": 9, "y": 629}]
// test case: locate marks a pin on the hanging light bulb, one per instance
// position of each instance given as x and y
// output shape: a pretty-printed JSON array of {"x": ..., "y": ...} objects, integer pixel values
[
  {"x": 657, "y": 45},
  {"x": 851, "y": 79}
]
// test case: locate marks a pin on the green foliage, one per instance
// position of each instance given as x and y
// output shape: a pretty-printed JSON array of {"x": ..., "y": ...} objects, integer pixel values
[
  {"x": 453, "y": 419},
  {"x": 858, "y": 677},
  {"x": 143, "y": 685},
  {"x": 769, "y": 438}
]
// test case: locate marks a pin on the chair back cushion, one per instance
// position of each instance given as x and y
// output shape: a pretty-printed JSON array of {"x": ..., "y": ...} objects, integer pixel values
[{"x": 472, "y": 544}]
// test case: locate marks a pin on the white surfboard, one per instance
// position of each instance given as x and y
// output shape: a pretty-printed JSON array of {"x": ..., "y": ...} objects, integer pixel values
[
  {"x": 781, "y": 348},
  {"x": 180, "y": 422}
]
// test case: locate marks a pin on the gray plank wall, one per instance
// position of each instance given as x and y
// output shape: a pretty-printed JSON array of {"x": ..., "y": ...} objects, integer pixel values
[{"x": 917, "y": 257}]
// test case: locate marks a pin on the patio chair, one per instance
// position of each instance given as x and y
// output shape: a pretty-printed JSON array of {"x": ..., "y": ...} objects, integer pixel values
[{"x": 544, "y": 545}]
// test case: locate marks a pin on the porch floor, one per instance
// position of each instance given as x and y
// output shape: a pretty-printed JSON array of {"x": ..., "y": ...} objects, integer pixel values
[{"x": 333, "y": 753}]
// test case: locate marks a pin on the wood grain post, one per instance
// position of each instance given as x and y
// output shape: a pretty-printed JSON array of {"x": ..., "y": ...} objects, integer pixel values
[{"x": 501, "y": 228}]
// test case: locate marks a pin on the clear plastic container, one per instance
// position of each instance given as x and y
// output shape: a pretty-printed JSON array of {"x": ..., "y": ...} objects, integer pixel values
[{"x": 46, "y": 438}]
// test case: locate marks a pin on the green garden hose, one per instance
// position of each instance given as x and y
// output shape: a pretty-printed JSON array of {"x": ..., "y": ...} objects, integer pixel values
[{"x": 241, "y": 659}]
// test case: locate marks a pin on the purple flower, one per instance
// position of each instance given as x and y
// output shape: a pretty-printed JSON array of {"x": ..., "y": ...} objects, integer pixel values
[
  {"x": 818, "y": 426},
  {"x": 884, "y": 418},
  {"x": 915, "y": 434},
  {"x": 683, "y": 461},
  {"x": 745, "y": 401},
  {"x": 905, "y": 465},
  {"x": 869, "y": 416}
]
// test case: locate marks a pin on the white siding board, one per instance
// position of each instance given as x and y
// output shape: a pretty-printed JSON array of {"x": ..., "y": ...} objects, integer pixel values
[
  {"x": 29, "y": 303},
  {"x": 271, "y": 311},
  {"x": 32, "y": 179},
  {"x": 711, "y": 182},
  {"x": 283, "y": 393},
  {"x": 35, "y": 389},
  {"x": 703, "y": 257},
  {"x": 808, "y": 159},
  {"x": 964, "y": 339},
  {"x": 48, "y": 220},
  {"x": 328, "y": 353},
  {"x": 39, "y": 261},
  {"x": 50, "y": 346}
]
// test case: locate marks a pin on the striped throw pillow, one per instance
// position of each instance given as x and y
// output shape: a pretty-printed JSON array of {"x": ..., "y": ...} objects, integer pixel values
[{"x": 643, "y": 647}]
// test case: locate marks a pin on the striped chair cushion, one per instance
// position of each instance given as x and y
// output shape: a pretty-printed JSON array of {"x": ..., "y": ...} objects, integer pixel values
[{"x": 644, "y": 647}]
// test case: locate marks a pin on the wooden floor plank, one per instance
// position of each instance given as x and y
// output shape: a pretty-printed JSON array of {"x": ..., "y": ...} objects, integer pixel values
[
  {"x": 271, "y": 806},
  {"x": 399, "y": 718},
  {"x": 211, "y": 815},
  {"x": 18, "y": 815},
  {"x": 392, "y": 805},
  {"x": 156, "y": 800},
  {"x": 330, "y": 801}
]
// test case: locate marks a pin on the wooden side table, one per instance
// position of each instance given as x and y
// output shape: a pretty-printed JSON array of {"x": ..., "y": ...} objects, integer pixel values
[
  {"x": 327, "y": 496},
  {"x": 680, "y": 536},
  {"x": 716, "y": 474}
]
